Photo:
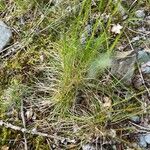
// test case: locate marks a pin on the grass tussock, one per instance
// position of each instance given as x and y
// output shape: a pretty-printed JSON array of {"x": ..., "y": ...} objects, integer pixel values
[{"x": 61, "y": 72}]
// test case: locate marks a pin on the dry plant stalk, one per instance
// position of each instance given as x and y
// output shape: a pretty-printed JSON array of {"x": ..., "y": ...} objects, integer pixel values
[{"x": 24, "y": 130}]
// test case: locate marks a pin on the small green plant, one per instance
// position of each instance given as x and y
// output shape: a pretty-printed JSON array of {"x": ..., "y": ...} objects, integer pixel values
[
  {"x": 2, "y": 5},
  {"x": 12, "y": 96},
  {"x": 23, "y": 5}
]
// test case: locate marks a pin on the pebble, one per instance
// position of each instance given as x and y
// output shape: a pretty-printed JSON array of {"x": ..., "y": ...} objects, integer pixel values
[
  {"x": 142, "y": 29},
  {"x": 143, "y": 56},
  {"x": 83, "y": 39},
  {"x": 140, "y": 13},
  {"x": 142, "y": 141},
  {"x": 88, "y": 147},
  {"x": 5, "y": 35},
  {"x": 124, "y": 68},
  {"x": 87, "y": 33},
  {"x": 137, "y": 38},
  {"x": 88, "y": 29},
  {"x": 135, "y": 119},
  {"x": 147, "y": 138},
  {"x": 145, "y": 68}
]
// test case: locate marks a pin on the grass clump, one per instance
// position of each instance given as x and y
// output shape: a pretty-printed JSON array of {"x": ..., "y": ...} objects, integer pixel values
[{"x": 61, "y": 73}]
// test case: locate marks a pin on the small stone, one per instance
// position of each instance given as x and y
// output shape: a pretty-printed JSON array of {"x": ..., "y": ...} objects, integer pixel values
[
  {"x": 5, "y": 35},
  {"x": 142, "y": 29},
  {"x": 140, "y": 13},
  {"x": 142, "y": 141},
  {"x": 135, "y": 119},
  {"x": 124, "y": 68},
  {"x": 83, "y": 39},
  {"x": 87, "y": 32},
  {"x": 145, "y": 68},
  {"x": 147, "y": 138},
  {"x": 137, "y": 38},
  {"x": 88, "y": 29},
  {"x": 143, "y": 56},
  {"x": 88, "y": 147}
]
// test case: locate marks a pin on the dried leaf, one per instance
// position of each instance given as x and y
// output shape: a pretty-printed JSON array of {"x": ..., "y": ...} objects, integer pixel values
[
  {"x": 29, "y": 114},
  {"x": 116, "y": 28},
  {"x": 107, "y": 102}
]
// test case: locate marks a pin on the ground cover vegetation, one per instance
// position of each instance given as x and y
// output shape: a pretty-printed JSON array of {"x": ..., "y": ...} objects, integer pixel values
[{"x": 57, "y": 89}]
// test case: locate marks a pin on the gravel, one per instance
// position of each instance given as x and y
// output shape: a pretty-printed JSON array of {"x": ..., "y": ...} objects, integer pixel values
[
  {"x": 124, "y": 68},
  {"x": 86, "y": 34},
  {"x": 145, "y": 68},
  {"x": 140, "y": 13},
  {"x": 147, "y": 138},
  {"x": 135, "y": 119},
  {"x": 88, "y": 147},
  {"x": 142, "y": 141},
  {"x": 143, "y": 56},
  {"x": 5, "y": 35}
]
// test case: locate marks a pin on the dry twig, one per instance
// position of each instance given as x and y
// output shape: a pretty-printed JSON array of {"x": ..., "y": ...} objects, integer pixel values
[
  {"x": 140, "y": 128},
  {"x": 24, "y": 124},
  {"x": 24, "y": 130}
]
